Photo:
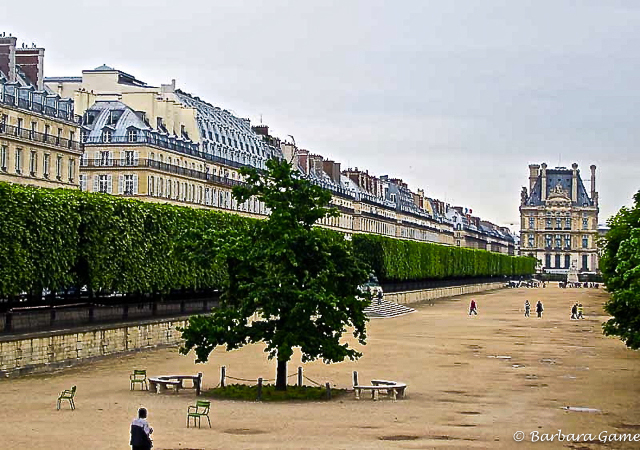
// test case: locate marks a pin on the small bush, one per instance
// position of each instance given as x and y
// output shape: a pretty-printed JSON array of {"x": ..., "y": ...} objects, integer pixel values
[{"x": 269, "y": 393}]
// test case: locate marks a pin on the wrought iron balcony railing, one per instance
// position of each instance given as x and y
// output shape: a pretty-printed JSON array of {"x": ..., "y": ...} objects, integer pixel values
[{"x": 34, "y": 136}]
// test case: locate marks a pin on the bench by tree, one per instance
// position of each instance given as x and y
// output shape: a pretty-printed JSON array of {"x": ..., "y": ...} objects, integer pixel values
[
  {"x": 67, "y": 394},
  {"x": 201, "y": 409},
  {"x": 140, "y": 377},
  {"x": 393, "y": 389}
]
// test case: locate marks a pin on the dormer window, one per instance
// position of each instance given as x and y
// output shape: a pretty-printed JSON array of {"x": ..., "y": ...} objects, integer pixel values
[
  {"x": 132, "y": 135},
  {"x": 106, "y": 135}
]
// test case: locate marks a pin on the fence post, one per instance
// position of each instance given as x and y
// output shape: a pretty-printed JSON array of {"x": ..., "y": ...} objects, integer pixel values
[
  {"x": 223, "y": 374},
  {"x": 299, "y": 376},
  {"x": 328, "y": 391},
  {"x": 198, "y": 383},
  {"x": 355, "y": 378},
  {"x": 259, "y": 389}
]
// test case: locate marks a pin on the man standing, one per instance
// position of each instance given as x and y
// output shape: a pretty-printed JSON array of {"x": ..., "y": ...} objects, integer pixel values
[
  {"x": 527, "y": 308},
  {"x": 579, "y": 315},
  {"x": 539, "y": 308},
  {"x": 574, "y": 311},
  {"x": 473, "y": 308},
  {"x": 141, "y": 432}
]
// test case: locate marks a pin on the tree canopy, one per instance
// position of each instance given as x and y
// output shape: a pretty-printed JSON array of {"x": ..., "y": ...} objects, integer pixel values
[
  {"x": 289, "y": 284},
  {"x": 620, "y": 266}
]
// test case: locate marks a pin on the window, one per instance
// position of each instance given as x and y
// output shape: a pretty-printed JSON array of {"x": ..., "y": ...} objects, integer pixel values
[
  {"x": 104, "y": 184},
  {"x": 132, "y": 135},
  {"x": 59, "y": 136},
  {"x": 585, "y": 223},
  {"x": 45, "y": 165},
  {"x": 567, "y": 241},
  {"x": 531, "y": 240},
  {"x": 567, "y": 261},
  {"x": 585, "y": 266},
  {"x": 32, "y": 133},
  {"x": 557, "y": 261},
  {"x": 83, "y": 136},
  {"x": 3, "y": 122},
  {"x": 558, "y": 223},
  {"x": 128, "y": 185},
  {"x": 59, "y": 167},
  {"x": 585, "y": 241},
  {"x": 548, "y": 223},
  {"x": 150, "y": 185},
  {"x": 547, "y": 240},
  {"x": 558, "y": 241},
  {"x": 547, "y": 261},
  {"x": 105, "y": 158},
  {"x": 33, "y": 163},
  {"x": 72, "y": 136},
  {"x": 128, "y": 158},
  {"x": 19, "y": 125},
  {"x": 46, "y": 133},
  {"x": 567, "y": 223},
  {"x": 71, "y": 169},
  {"x": 3, "y": 158},
  {"x": 106, "y": 136},
  {"x": 83, "y": 182},
  {"x": 18, "y": 161},
  {"x": 532, "y": 222}
]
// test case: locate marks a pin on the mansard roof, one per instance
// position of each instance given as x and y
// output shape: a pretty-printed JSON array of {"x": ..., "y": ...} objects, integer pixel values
[{"x": 556, "y": 178}]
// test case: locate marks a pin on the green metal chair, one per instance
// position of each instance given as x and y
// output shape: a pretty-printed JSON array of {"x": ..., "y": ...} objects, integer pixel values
[
  {"x": 67, "y": 394},
  {"x": 138, "y": 376},
  {"x": 198, "y": 411}
]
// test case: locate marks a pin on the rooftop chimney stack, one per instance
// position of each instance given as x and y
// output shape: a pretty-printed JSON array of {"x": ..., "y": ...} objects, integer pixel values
[
  {"x": 543, "y": 187},
  {"x": 8, "y": 56},
  {"x": 534, "y": 171},
  {"x": 574, "y": 183},
  {"x": 594, "y": 194},
  {"x": 31, "y": 62}
]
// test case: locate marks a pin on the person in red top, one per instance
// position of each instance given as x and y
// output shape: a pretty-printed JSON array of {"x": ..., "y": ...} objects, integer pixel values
[{"x": 473, "y": 308}]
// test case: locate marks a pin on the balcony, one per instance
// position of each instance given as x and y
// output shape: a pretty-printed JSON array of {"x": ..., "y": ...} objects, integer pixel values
[
  {"x": 100, "y": 163},
  {"x": 47, "y": 110},
  {"x": 34, "y": 136}
]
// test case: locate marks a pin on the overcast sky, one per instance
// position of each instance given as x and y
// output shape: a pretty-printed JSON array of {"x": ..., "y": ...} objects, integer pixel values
[{"x": 456, "y": 97}]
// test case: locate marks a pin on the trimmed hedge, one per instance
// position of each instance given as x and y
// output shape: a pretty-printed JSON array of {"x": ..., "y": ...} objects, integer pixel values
[
  {"x": 398, "y": 260},
  {"x": 56, "y": 239}
]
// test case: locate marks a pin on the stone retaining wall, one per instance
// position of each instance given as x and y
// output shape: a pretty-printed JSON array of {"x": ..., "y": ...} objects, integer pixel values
[
  {"x": 407, "y": 297},
  {"x": 46, "y": 351}
]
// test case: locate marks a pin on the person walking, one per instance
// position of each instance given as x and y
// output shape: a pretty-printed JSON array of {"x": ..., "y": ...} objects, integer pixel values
[
  {"x": 527, "y": 308},
  {"x": 473, "y": 308},
  {"x": 141, "y": 432},
  {"x": 539, "y": 308},
  {"x": 579, "y": 315},
  {"x": 574, "y": 311}
]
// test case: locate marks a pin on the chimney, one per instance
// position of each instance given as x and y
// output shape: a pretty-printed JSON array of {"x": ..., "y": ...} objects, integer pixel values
[
  {"x": 593, "y": 183},
  {"x": 574, "y": 183},
  {"x": 31, "y": 61},
  {"x": 8, "y": 56},
  {"x": 543, "y": 190},
  {"x": 262, "y": 130},
  {"x": 534, "y": 171}
]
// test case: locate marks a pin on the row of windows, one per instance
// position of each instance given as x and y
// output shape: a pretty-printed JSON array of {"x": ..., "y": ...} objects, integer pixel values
[
  {"x": 559, "y": 223},
  {"x": 342, "y": 221},
  {"x": 19, "y": 156},
  {"x": 557, "y": 241},
  {"x": 558, "y": 260},
  {"x": 36, "y": 127}
]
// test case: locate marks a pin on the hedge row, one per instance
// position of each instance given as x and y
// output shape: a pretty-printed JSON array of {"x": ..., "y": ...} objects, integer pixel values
[
  {"x": 57, "y": 239},
  {"x": 398, "y": 260}
]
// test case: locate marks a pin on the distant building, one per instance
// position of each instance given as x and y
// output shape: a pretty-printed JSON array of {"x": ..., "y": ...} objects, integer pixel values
[
  {"x": 38, "y": 130},
  {"x": 559, "y": 219}
]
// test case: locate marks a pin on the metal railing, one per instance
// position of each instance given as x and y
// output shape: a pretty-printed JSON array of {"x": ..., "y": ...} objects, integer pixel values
[
  {"x": 34, "y": 136},
  {"x": 47, "y": 110}
]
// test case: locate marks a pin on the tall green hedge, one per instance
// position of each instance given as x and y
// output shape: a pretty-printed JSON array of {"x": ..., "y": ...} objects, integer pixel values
[
  {"x": 58, "y": 238},
  {"x": 398, "y": 260}
]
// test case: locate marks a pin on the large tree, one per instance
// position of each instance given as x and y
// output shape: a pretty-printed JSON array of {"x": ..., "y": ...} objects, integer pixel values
[
  {"x": 620, "y": 266},
  {"x": 289, "y": 284}
]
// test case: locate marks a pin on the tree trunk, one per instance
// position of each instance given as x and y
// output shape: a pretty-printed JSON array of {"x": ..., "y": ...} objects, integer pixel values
[{"x": 281, "y": 376}]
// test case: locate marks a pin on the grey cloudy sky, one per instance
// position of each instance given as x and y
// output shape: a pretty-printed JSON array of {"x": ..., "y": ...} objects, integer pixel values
[{"x": 456, "y": 97}]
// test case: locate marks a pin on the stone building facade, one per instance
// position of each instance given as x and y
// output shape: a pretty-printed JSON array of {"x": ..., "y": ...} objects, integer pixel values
[
  {"x": 559, "y": 219},
  {"x": 39, "y": 132}
]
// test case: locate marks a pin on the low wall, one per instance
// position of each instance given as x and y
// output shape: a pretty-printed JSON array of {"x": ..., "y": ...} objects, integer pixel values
[
  {"x": 432, "y": 294},
  {"x": 47, "y": 351}
]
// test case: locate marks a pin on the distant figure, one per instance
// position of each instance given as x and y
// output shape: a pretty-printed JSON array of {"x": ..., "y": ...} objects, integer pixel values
[
  {"x": 574, "y": 311},
  {"x": 141, "y": 432},
  {"x": 527, "y": 308},
  {"x": 539, "y": 308},
  {"x": 580, "y": 316},
  {"x": 379, "y": 296},
  {"x": 473, "y": 308}
]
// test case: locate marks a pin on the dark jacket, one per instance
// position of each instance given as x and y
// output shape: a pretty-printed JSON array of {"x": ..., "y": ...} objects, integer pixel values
[{"x": 139, "y": 437}]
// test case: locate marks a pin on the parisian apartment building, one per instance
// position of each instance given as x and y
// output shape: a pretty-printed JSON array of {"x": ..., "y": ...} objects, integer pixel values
[
  {"x": 559, "y": 219},
  {"x": 39, "y": 131},
  {"x": 109, "y": 132}
]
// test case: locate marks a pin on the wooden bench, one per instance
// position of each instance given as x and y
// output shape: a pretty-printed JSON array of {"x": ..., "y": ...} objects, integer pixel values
[{"x": 166, "y": 382}]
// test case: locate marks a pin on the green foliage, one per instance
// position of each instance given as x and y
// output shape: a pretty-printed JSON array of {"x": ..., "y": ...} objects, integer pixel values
[
  {"x": 620, "y": 266},
  {"x": 271, "y": 394},
  {"x": 398, "y": 260},
  {"x": 289, "y": 284}
]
